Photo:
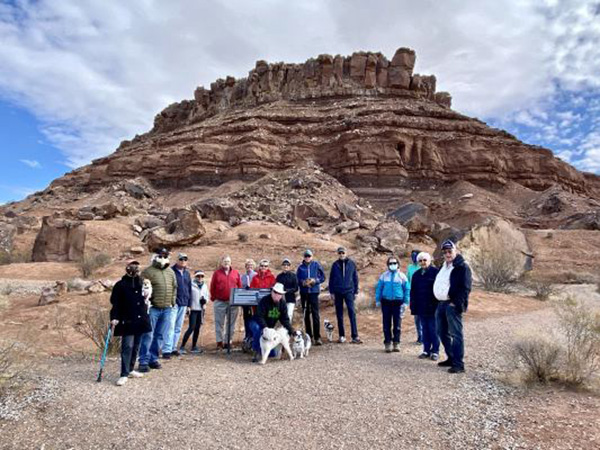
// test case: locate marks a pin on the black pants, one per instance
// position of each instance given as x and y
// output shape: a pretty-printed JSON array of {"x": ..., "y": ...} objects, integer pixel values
[
  {"x": 130, "y": 347},
  {"x": 247, "y": 314},
  {"x": 310, "y": 306},
  {"x": 194, "y": 325}
]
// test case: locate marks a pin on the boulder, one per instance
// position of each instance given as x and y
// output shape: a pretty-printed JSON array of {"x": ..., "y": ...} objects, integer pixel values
[
  {"x": 392, "y": 237},
  {"x": 349, "y": 212},
  {"x": 61, "y": 288},
  {"x": 137, "y": 190},
  {"x": 183, "y": 227},
  {"x": 414, "y": 216},
  {"x": 59, "y": 240},
  {"x": 138, "y": 250},
  {"x": 95, "y": 288},
  {"x": 218, "y": 209},
  {"x": 78, "y": 284},
  {"x": 47, "y": 297},
  {"x": 347, "y": 226},
  {"x": 145, "y": 222},
  {"x": 7, "y": 234},
  {"x": 583, "y": 221}
]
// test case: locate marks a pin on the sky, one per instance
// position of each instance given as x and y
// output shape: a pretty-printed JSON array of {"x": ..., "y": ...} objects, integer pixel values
[{"x": 79, "y": 76}]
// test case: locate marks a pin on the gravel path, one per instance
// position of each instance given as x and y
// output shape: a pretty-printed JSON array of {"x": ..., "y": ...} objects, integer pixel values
[{"x": 341, "y": 397}]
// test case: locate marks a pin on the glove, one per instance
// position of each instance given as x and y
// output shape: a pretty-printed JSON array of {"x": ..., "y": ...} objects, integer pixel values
[
  {"x": 202, "y": 301},
  {"x": 114, "y": 322}
]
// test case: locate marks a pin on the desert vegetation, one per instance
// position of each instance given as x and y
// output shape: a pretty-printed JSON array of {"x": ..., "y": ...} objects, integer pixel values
[{"x": 91, "y": 263}]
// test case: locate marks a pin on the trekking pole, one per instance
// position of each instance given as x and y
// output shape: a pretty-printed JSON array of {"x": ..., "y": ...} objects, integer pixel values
[{"x": 103, "y": 359}]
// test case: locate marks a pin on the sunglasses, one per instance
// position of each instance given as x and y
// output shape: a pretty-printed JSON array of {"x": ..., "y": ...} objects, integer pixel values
[
  {"x": 263, "y": 266},
  {"x": 308, "y": 256},
  {"x": 447, "y": 251},
  {"x": 183, "y": 259},
  {"x": 392, "y": 262},
  {"x": 341, "y": 253},
  {"x": 422, "y": 260}
]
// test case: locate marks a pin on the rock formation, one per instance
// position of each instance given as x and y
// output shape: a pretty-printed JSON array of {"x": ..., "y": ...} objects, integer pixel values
[{"x": 59, "y": 240}]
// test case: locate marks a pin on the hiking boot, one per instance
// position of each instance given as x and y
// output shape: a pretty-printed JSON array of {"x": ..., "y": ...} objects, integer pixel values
[
  {"x": 121, "y": 381},
  {"x": 342, "y": 339},
  {"x": 447, "y": 363},
  {"x": 196, "y": 350},
  {"x": 456, "y": 370},
  {"x": 182, "y": 351},
  {"x": 388, "y": 347},
  {"x": 135, "y": 374},
  {"x": 166, "y": 356},
  {"x": 219, "y": 346},
  {"x": 396, "y": 347},
  {"x": 356, "y": 340},
  {"x": 155, "y": 365},
  {"x": 418, "y": 342},
  {"x": 256, "y": 357},
  {"x": 423, "y": 355},
  {"x": 319, "y": 342},
  {"x": 143, "y": 368},
  {"x": 435, "y": 356},
  {"x": 176, "y": 353}
]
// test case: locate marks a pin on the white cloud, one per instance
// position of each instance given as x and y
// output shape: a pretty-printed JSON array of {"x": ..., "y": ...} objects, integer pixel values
[
  {"x": 31, "y": 163},
  {"x": 95, "y": 73}
]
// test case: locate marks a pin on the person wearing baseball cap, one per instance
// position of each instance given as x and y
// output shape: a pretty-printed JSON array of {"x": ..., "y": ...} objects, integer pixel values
[
  {"x": 288, "y": 278},
  {"x": 270, "y": 311},
  {"x": 343, "y": 287},
  {"x": 451, "y": 288},
  {"x": 129, "y": 316},
  {"x": 184, "y": 296},
  {"x": 310, "y": 276},
  {"x": 200, "y": 297}
]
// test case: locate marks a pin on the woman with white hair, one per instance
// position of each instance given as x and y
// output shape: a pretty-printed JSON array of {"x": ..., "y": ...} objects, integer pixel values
[{"x": 424, "y": 304}]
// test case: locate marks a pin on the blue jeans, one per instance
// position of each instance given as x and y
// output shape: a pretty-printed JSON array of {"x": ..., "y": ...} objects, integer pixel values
[
  {"x": 152, "y": 341},
  {"x": 390, "y": 309},
  {"x": 431, "y": 340},
  {"x": 130, "y": 347},
  {"x": 450, "y": 330},
  {"x": 172, "y": 338},
  {"x": 348, "y": 298},
  {"x": 419, "y": 328}
]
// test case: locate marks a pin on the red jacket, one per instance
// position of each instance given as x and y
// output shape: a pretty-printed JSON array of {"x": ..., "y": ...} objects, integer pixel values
[
  {"x": 222, "y": 283},
  {"x": 264, "y": 280}
]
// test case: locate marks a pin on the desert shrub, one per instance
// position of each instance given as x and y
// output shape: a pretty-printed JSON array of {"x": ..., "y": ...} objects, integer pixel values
[
  {"x": 9, "y": 366},
  {"x": 93, "y": 262},
  {"x": 496, "y": 268},
  {"x": 243, "y": 237},
  {"x": 573, "y": 277},
  {"x": 93, "y": 324},
  {"x": 538, "y": 358},
  {"x": 14, "y": 257},
  {"x": 542, "y": 291},
  {"x": 580, "y": 330}
]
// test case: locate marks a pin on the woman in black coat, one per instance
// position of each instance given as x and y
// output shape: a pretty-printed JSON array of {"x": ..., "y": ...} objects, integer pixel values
[
  {"x": 424, "y": 304},
  {"x": 129, "y": 316}
]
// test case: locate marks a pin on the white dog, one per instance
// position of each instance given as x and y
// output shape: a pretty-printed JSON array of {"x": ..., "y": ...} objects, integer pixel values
[
  {"x": 301, "y": 345},
  {"x": 329, "y": 327},
  {"x": 147, "y": 292},
  {"x": 274, "y": 339}
]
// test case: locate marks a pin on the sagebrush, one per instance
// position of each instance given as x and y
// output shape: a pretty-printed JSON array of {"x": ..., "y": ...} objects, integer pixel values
[
  {"x": 538, "y": 357},
  {"x": 93, "y": 262},
  {"x": 496, "y": 268},
  {"x": 93, "y": 324}
]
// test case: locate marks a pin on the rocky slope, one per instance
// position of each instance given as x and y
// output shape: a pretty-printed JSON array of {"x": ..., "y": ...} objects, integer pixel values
[{"x": 368, "y": 121}]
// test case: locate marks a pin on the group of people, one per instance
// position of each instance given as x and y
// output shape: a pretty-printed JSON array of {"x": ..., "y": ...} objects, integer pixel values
[{"x": 149, "y": 307}]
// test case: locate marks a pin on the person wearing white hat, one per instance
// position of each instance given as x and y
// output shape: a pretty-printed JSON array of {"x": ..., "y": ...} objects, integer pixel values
[{"x": 271, "y": 309}]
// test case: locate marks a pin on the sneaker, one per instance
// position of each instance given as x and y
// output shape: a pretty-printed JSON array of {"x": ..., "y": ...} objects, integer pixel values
[
  {"x": 423, "y": 355},
  {"x": 342, "y": 339},
  {"x": 121, "y": 381},
  {"x": 176, "y": 353},
  {"x": 256, "y": 357},
  {"x": 456, "y": 370},
  {"x": 388, "y": 348},
  {"x": 446, "y": 363},
  {"x": 418, "y": 342},
  {"x": 155, "y": 365},
  {"x": 435, "y": 356},
  {"x": 182, "y": 351},
  {"x": 135, "y": 374},
  {"x": 197, "y": 350},
  {"x": 396, "y": 347},
  {"x": 143, "y": 368},
  {"x": 319, "y": 342},
  {"x": 166, "y": 356},
  {"x": 356, "y": 341}
]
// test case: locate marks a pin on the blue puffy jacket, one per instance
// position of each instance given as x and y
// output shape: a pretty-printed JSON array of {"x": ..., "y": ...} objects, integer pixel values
[
  {"x": 343, "y": 277},
  {"x": 392, "y": 286},
  {"x": 312, "y": 270},
  {"x": 184, "y": 286}
]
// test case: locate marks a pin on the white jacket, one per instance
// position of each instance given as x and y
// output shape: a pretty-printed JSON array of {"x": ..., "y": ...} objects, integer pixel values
[{"x": 197, "y": 294}]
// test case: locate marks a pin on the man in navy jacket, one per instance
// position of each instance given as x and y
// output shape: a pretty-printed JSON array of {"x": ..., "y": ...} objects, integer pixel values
[
  {"x": 343, "y": 286},
  {"x": 310, "y": 276}
]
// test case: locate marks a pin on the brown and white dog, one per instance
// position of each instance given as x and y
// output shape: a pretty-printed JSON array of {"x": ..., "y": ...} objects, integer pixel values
[
  {"x": 301, "y": 345},
  {"x": 274, "y": 339}
]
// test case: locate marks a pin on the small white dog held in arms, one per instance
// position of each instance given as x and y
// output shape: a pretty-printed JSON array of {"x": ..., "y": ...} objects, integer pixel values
[
  {"x": 272, "y": 339},
  {"x": 301, "y": 345},
  {"x": 329, "y": 327},
  {"x": 147, "y": 292}
]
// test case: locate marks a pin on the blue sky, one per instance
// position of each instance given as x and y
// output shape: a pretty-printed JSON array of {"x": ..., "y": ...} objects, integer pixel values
[{"x": 78, "y": 77}]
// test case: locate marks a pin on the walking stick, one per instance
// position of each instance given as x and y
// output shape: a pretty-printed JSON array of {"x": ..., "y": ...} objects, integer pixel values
[{"x": 103, "y": 359}]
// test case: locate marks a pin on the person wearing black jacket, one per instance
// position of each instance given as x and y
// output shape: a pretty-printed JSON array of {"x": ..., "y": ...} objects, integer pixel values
[
  {"x": 290, "y": 282},
  {"x": 424, "y": 304},
  {"x": 129, "y": 316},
  {"x": 452, "y": 287},
  {"x": 271, "y": 309},
  {"x": 343, "y": 286}
]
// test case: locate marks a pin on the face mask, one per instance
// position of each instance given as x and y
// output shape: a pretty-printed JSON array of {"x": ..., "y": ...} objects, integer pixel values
[
  {"x": 393, "y": 267},
  {"x": 162, "y": 261},
  {"x": 133, "y": 270}
]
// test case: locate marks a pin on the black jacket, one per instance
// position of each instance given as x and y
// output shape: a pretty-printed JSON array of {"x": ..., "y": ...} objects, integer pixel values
[
  {"x": 129, "y": 308},
  {"x": 343, "y": 278},
  {"x": 269, "y": 313},
  {"x": 460, "y": 284},
  {"x": 290, "y": 283},
  {"x": 422, "y": 300}
]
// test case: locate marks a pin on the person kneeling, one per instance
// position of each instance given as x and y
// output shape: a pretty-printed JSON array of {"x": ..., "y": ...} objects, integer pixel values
[{"x": 271, "y": 310}]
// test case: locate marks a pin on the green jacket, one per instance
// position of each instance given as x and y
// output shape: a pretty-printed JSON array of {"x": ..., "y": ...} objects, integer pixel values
[{"x": 164, "y": 286}]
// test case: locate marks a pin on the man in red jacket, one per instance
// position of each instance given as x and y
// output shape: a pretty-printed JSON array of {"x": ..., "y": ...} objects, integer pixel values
[
  {"x": 222, "y": 282},
  {"x": 264, "y": 279}
]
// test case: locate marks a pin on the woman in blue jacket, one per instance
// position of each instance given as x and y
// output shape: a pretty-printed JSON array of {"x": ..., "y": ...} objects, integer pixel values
[{"x": 392, "y": 293}]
